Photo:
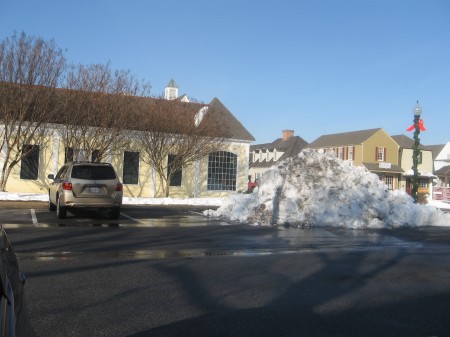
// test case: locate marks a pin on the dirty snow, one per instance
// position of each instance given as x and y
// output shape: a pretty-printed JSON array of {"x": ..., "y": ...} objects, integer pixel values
[{"x": 315, "y": 189}]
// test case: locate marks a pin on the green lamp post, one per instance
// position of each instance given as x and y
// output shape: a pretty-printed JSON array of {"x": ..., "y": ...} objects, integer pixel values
[{"x": 416, "y": 152}]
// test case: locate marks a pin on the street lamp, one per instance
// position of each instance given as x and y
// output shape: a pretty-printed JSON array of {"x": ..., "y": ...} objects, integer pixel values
[{"x": 416, "y": 151}]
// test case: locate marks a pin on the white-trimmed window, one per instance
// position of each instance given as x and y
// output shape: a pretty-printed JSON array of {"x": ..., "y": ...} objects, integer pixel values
[
  {"x": 350, "y": 153},
  {"x": 389, "y": 181},
  {"x": 340, "y": 152},
  {"x": 380, "y": 154},
  {"x": 222, "y": 171}
]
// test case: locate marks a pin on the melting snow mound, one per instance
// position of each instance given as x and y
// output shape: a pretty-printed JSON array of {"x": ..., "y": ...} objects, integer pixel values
[{"x": 315, "y": 189}]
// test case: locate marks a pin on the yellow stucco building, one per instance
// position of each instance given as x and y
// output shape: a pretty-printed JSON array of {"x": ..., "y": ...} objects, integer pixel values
[{"x": 215, "y": 175}]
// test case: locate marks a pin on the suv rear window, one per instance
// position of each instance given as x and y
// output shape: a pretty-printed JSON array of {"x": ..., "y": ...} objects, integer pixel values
[{"x": 93, "y": 172}]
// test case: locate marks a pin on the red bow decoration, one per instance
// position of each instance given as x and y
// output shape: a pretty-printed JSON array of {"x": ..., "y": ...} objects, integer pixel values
[{"x": 421, "y": 126}]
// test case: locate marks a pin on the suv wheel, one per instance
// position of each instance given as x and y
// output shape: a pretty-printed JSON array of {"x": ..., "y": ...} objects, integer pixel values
[
  {"x": 115, "y": 213},
  {"x": 51, "y": 206},
  {"x": 61, "y": 211}
]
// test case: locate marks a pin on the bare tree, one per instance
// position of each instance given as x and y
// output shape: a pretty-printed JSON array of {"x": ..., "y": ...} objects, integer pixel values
[
  {"x": 187, "y": 132},
  {"x": 97, "y": 105},
  {"x": 30, "y": 70}
]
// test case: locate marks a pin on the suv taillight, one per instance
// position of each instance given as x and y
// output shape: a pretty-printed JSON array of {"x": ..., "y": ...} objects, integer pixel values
[
  {"x": 119, "y": 187},
  {"x": 67, "y": 186}
]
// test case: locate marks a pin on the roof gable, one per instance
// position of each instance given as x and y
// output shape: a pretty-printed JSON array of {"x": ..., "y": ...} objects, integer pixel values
[
  {"x": 406, "y": 142},
  {"x": 234, "y": 127},
  {"x": 341, "y": 139},
  {"x": 441, "y": 151}
]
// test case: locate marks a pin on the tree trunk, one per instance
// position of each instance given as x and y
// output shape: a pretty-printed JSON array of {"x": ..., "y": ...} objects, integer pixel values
[
  {"x": 167, "y": 185},
  {"x": 5, "y": 172}
]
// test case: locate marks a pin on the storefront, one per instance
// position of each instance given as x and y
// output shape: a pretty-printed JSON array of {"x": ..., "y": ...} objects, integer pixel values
[{"x": 387, "y": 172}]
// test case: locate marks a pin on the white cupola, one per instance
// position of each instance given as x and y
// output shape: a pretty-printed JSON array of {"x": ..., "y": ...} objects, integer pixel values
[{"x": 171, "y": 90}]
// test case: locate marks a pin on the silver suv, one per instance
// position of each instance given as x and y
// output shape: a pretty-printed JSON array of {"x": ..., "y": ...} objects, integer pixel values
[{"x": 85, "y": 185}]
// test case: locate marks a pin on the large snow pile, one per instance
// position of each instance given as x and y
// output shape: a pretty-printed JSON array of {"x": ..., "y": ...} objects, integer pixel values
[{"x": 316, "y": 189}]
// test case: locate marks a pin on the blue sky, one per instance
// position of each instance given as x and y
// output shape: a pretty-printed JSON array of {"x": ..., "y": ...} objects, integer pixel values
[{"x": 313, "y": 66}]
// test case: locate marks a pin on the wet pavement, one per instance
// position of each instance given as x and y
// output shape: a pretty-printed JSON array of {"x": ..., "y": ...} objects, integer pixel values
[
  {"x": 173, "y": 272},
  {"x": 182, "y": 226}
]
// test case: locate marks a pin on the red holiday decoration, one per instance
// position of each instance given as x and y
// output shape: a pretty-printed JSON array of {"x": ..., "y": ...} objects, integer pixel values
[{"x": 421, "y": 126}]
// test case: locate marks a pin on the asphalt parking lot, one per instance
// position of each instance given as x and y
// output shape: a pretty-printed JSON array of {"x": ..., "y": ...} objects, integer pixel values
[
  {"x": 37, "y": 214},
  {"x": 169, "y": 271}
]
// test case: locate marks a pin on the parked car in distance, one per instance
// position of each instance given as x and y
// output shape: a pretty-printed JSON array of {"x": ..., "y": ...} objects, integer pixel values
[
  {"x": 85, "y": 185},
  {"x": 14, "y": 320}
]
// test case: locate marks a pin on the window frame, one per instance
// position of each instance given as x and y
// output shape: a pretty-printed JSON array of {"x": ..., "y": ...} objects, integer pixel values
[
  {"x": 340, "y": 152},
  {"x": 81, "y": 155},
  {"x": 222, "y": 171},
  {"x": 130, "y": 171},
  {"x": 350, "y": 153},
  {"x": 177, "y": 176},
  {"x": 381, "y": 154},
  {"x": 29, "y": 164},
  {"x": 389, "y": 181}
]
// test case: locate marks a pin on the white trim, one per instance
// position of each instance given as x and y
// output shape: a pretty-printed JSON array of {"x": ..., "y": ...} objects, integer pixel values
[
  {"x": 197, "y": 176},
  {"x": 55, "y": 152}
]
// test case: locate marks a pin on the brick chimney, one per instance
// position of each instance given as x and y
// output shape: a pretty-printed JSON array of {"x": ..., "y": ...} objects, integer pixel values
[{"x": 287, "y": 134}]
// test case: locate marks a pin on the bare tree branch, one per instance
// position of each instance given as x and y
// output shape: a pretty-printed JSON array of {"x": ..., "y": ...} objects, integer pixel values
[
  {"x": 30, "y": 70},
  {"x": 184, "y": 130},
  {"x": 96, "y": 108}
]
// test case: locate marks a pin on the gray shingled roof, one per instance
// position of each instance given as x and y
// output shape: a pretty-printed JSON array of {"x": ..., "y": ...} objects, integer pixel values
[
  {"x": 234, "y": 127},
  {"x": 406, "y": 142},
  {"x": 291, "y": 147},
  {"x": 435, "y": 149},
  {"x": 340, "y": 139},
  {"x": 262, "y": 164},
  {"x": 443, "y": 171}
]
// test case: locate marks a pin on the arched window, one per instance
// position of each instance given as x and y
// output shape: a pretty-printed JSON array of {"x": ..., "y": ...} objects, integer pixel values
[{"x": 222, "y": 171}]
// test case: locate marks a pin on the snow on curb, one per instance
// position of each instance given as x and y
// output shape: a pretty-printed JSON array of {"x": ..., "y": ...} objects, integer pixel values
[{"x": 7, "y": 196}]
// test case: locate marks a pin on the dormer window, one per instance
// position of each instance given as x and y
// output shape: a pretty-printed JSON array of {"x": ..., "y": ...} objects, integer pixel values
[{"x": 199, "y": 115}]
